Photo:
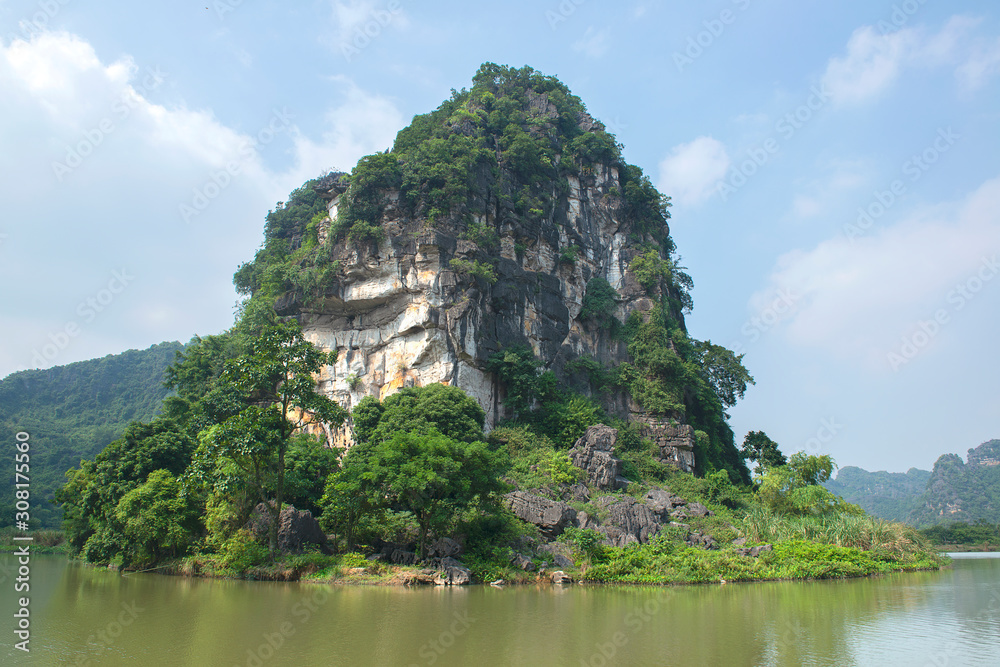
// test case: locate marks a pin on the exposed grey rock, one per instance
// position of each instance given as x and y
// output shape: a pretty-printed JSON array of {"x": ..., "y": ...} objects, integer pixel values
[
  {"x": 577, "y": 493},
  {"x": 522, "y": 562},
  {"x": 551, "y": 516},
  {"x": 702, "y": 540},
  {"x": 584, "y": 520},
  {"x": 296, "y": 528},
  {"x": 453, "y": 573},
  {"x": 698, "y": 510},
  {"x": 402, "y": 557},
  {"x": 739, "y": 541},
  {"x": 594, "y": 453},
  {"x": 629, "y": 521},
  {"x": 691, "y": 510},
  {"x": 563, "y": 561},
  {"x": 675, "y": 441},
  {"x": 755, "y": 551},
  {"x": 661, "y": 502},
  {"x": 442, "y": 547}
]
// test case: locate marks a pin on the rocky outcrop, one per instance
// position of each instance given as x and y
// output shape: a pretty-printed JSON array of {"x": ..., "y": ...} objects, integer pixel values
[
  {"x": 756, "y": 551},
  {"x": 560, "y": 577},
  {"x": 551, "y": 516},
  {"x": 675, "y": 441},
  {"x": 986, "y": 454},
  {"x": 628, "y": 521},
  {"x": 452, "y": 573},
  {"x": 594, "y": 453},
  {"x": 296, "y": 528},
  {"x": 443, "y": 548},
  {"x": 661, "y": 502}
]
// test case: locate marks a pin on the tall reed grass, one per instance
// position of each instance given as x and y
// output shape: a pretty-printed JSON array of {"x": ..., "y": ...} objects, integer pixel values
[{"x": 846, "y": 530}]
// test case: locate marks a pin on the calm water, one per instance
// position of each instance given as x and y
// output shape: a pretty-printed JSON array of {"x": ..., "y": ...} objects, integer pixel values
[{"x": 88, "y": 616}]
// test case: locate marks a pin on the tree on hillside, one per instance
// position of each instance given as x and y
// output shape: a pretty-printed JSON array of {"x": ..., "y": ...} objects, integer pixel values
[
  {"x": 429, "y": 474},
  {"x": 759, "y": 448},
  {"x": 448, "y": 410},
  {"x": 794, "y": 488},
  {"x": 419, "y": 451},
  {"x": 275, "y": 378},
  {"x": 92, "y": 493}
]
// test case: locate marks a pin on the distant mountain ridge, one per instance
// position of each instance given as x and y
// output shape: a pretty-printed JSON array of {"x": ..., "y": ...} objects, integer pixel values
[
  {"x": 890, "y": 495},
  {"x": 954, "y": 491},
  {"x": 72, "y": 412},
  {"x": 960, "y": 491}
]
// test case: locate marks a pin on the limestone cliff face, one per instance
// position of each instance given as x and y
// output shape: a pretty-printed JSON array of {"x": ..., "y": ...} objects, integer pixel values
[
  {"x": 399, "y": 315},
  {"x": 485, "y": 227}
]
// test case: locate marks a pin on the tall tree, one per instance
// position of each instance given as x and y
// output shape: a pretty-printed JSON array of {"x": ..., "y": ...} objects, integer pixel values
[
  {"x": 761, "y": 449},
  {"x": 275, "y": 378},
  {"x": 432, "y": 476}
]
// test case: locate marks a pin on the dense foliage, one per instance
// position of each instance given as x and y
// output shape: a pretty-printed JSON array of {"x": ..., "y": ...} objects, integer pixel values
[
  {"x": 72, "y": 412},
  {"x": 231, "y": 437},
  {"x": 979, "y": 533}
]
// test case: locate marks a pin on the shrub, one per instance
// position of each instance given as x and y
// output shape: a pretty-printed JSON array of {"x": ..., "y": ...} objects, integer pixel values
[
  {"x": 474, "y": 268},
  {"x": 242, "y": 551}
]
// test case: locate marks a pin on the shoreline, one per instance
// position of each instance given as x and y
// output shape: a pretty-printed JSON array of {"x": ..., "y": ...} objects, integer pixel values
[{"x": 418, "y": 577}]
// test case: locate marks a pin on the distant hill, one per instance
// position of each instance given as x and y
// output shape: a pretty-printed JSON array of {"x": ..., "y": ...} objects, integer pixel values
[
  {"x": 960, "y": 491},
  {"x": 953, "y": 491},
  {"x": 890, "y": 495},
  {"x": 71, "y": 412}
]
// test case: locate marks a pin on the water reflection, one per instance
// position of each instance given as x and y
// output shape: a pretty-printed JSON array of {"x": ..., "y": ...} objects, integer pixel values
[{"x": 81, "y": 613}]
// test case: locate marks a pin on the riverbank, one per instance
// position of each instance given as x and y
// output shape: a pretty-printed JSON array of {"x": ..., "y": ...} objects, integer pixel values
[{"x": 655, "y": 563}]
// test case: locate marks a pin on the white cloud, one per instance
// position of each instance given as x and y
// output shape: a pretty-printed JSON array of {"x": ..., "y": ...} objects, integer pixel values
[
  {"x": 357, "y": 22},
  {"x": 858, "y": 299},
  {"x": 128, "y": 166},
  {"x": 692, "y": 171},
  {"x": 981, "y": 66},
  {"x": 873, "y": 61},
  {"x": 823, "y": 194},
  {"x": 363, "y": 124},
  {"x": 594, "y": 43}
]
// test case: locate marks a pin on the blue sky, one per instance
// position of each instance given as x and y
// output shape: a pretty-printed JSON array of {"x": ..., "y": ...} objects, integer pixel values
[{"x": 833, "y": 168}]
